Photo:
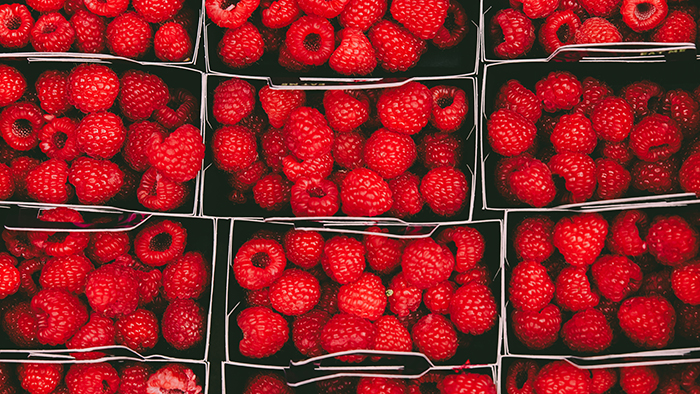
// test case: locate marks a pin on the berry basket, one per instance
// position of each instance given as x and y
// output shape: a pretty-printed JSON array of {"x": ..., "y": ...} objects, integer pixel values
[
  {"x": 569, "y": 33},
  {"x": 245, "y": 379},
  {"x": 92, "y": 280},
  {"x": 630, "y": 160},
  {"x": 46, "y": 136},
  {"x": 627, "y": 292},
  {"x": 399, "y": 305},
  {"x": 229, "y": 191},
  {"x": 262, "y": 53},
  {"x": 70, "y": 29}
]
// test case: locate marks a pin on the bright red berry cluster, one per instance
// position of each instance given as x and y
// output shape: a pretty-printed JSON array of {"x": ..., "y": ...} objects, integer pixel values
[
  {"x": 571, "y": 141},
  {"x": 553, "y": 23},
  {"x": 92, "y": 135},
  {"x": 378, "y": 292},
  {"x": 390, "y": 34},
  {"x": 93, "y": 26},
  {"x": 362, "y": 152},
  {"x": 89, "y": 289},
  {"x": 104, "y": 377},
  {"x": 593, "y": 280}
]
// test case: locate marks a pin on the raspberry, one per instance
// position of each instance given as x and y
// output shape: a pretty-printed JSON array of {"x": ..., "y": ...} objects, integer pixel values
[
  {"x": 343, "y": 259},
  {"x": 510, "y": 134},
  {"x": 597, "y": 31},
  {"x": 616, "y": 277},
  {"x": 52, "y": 33},
  {"x": 396, "y": 48},
  {"x": 618, "y": 151},
  {"x": 12, "y": 84},
  {"x": 562, "y": 377},
  {"x": 625, "y": 237},
  {"x": 272, "y": 192},
  {"x": 183, "y": 324},
  {"x": 95, "y": 181},
  {"x": 345, "y": 110},
  {"x": 684, "y": 281},
  {"x": 587, "y": 331},
  {"x": 58, "y": 139},
  {"x": 512, "y": 33},
  {"x": 688, "y": 325},
  {"x": 389, "y": 153},
  {"x": 672, "y": 240},
  {"x": 310, "y": 40},
  {"x": 66, "y": 272},
  {"x": 683, "y": 109},
  {"x": 534, "y": 239},
  {"x": 89, "y": 31},
  {"x": 259, "y": 263},
  {"x": 612, "y": 119},
  {"x": 133, "y": 376},
  {"x": 59, "y": 315},
  {"x": 405, "y": 109},
  {"x": 101, "y": 135},
  {"x": 404, "y": 298},
  {"x": 643, "y": 15},
  {"x": 603, "y": 379},
  {"x": 112, "y": 291},
  {"x": 235, "y": 148},
  {"x": 594, "y": 91},
  {"x": 365, "y": 297},
  {"x": 407, "y": 198},
  {"x": 470, "y": 246},
  {"x": 440, "y": 149},
  {"x": 348, "y": 332},
  {"x": 141, "y": 94},
  {"x": 647, "y": 321},
  {"x": 20, "y": 324},
  {"x": 172, "y": 43},
  {"x": 161, "y": 242},
  {"x": 179, "y": 156},
  {"x": 295, "y": 292},
  {"x": 435, "y": 337},
  {"x": 425, "y": 263},
  {"x": 92, "y": 378},
  {"x": 20, "y": 124},
  {"x": 655, "y": 138},
  {"x": 277, "y": 14},
  {"x": 450, "y": 107},
  {"x": 105, "y": 247},
  {"x": 559, "y": 90},
  {"x": 445, "y": 190},
  {"x": 521, "y": 377},
  {"x": 307, "y": 134},
  {"x": 455, "y": 28},
  {"x": 137, "y": 144},
  {"x": 10, "y": 275},
  {"x": 39, "y": 378},
  {"x": 314, "y": 196},
  {"x": 581, "y": 238},
  {"x": 184, "y": 108},
  {"x": 306, "y": 332},
  {"x": 530, "y": 287},
  {"x": 678, "y": 26},
  {"x": 638, "y": 380},
  {"x": 48, "y": 182},
  {"x": 109, "y": 9},
  {"x": 279, "y": 104},
  {"x": 365, "y": 193},
  {"x": 573, "y": 291},
  {"x": 92, "y": 87},
  {"x": 15, "y": 24},
  {"x": 158, "y": 192},
  {"x": 574, "y": 133},
  {"x": 563, "y": 22},
  {"x": 514, "y": 96},
  {"x": 354, "y": 55},
  {"x": 157, "y": 11},
  {"x": 531, "y": 182},
  {"x": 643, "y": 96},
  {"x": 658, "y": 177},
  {"x": 613, "y": 179},
  {"x": 173, "y": 377},
  {"x": 303, "y": 248},
  {"x": 579, "y": 173},
  {"x": 228, "y": 15},
  {"x": 475, "y": 382},
  {"x": 137, "y": 330},
  {"x": 383, "y": 253},
  {"x": 129, "y": 35},
  {"x": 537, "y": 330},
  {"x": 473, "y": 309},
  {"x": 423, "y": 18},
  {"x": 391, "y": 336},
  {"x": 234, "y": 99}
]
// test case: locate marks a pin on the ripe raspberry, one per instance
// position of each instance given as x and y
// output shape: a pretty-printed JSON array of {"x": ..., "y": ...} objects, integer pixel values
[
  {"x": 531, "y": 183},
  {"x": 423, "y": 18},
  {"x": 425, "y": 263},
  {"x": 345, "y": 110},
  {"x": 179, "y": 156},
  {"x": 437, "y": 298},
  {"x": 310, "y": 40},
  {"x": 473, "y": 309},
  {"x": 597, "y": 31},
  {"x": 530, "y": 287},
  {"x": 306, "y": 332},
  {"x": 39, "y": 378},
  {"x": 89, "y": 31},
  {"x": 562, "y": 377},
  {"x": 101, "y": 135},
  {"x": 20, "y": 324},
  {"x": 258, "y": 263},
  {"x": 579, "y": 173},
  {"x": 365, "y": 297},
  {"x": 406, "y": 192},
  {"x": 13, "y": 84},
  {"x": 307, "y": 134},
  {"x": 15, "y": 24},
  {"x": 643, "y": 96},
  {"x": 405, "y": 109},
  {"x": 48, "y": 182},
  {"x": 267, "y": 382},
  {"x": 303, "y": 248},
  {"x": 324, "y": 9},
  {"x": 7, "y": 186},
  {"x": 470, "y": 246},
  {"x": 684, "y": 281},
  {"x": 107, "y": 246},
  {"x": 234, "y": 147},
  {"x": 228, "y": 15},
  {"x": 92, "y": 87},
  {"x": 521, "y": 377},
  {"x": 435, "y": 337},
  {"x": 157, "y": 11},
  {"x": 643, "y": 15},
  {"x": 574, "y": 133},
  {"x": 616, "y": 277},
  {"x": 592, "y": 228},
  {"x": 173, "y": 377},
  {"x": 658, "y": 177},
  {"x": 655, "y": 138},
  {"x": 679, "y": 26},
  {"x": 234, "y": 99},
  {"x": 512, "y": 32},
  {"x": 625, "y": 235},
  {"x": 603, "y": 379},
  {"x": 20, "y": 168},
  {"x": 647, "y": 321},
  {"x": 279, "y": 104},
  {"x": 112, "y": 291},
  {"x": 391, "y": 336},
  {"x": 161, "y": 242},
  {"x": 688, "y": 325},
  {"x": 365, "y": 193},
  {"x": 559, "y": 90},
  {"x": 534, "y": 238},
  {"x": 594, "y": 91},
  {"x": 59, "y": 315},
  {"x": 137, "y": 330},
  {"x": 314, "y": 196},
  {"x": 66, "y": 272},
  {"x": 157, "y": 192},
  {"x": 450, "y": 107},
  {"x": 445, "y": 190},
  {"x": 183, "y": 324},
  {"x": 184, "y": 107},
  {"x": 455, "y": 28},
  {"x": 510, "y": 134},
  {"x": 389, "y": 153},
  {"x": 537, "y": 330},
  {"x": 109, "y": 9},
  {"x": 639, "y": 380},
  {"x": 172, "y": 43},
  {"x": 618, "y": 151},
  {"x": 10, "y": 275},
  {"x": 404, "y": 298},
  {"x": 354, "y": 55},
  {"x": 612, "y": 119},
  {"x": 133, "y": 376},
  {"x": 20, "y": 124},
  {"x": 52, "y": 33},
  {"x": 95, "y": 181},
  {"x": 58, "y": 139},
  {"x": 672, "y": 240},
  {"x": 362, "y": 14},
  {"x": 343, "y": 259},
  {"x": 295, "y": 292},
  {"x": 587, "y": 331},
  {"x": 348, "y": 332},
  {"x": 277, "y": 14},
  {"x": 514, "y": 96},
  {"x": 137, "y": 144},
  {"x": 186, "y": 277},
  {"x": 396, "y": 48},
  {"x": 471, "y": 382},
  {"x": 573, "y": 291},
  {"x": 272, "y": 192},
  {"x": 92, "y": 378},
  {"x": 383, "y": 253},
  {"x": 440, "y": 149},
  {"x": 682, "y": 108},
  {"x": 129, "y": 35},
  {"x": 564, "y": 22},
  {"x": 141, "y": 93}
]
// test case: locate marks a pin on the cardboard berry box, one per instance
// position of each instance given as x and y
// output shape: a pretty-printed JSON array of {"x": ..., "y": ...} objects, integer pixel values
[
  {"x": 617, "y": 75},
  {"x": 191, "y": 8},
  {"x": 461, "y": 59},
  {"x": 176, "y": 78},
  {"x": 618, "y": 343},
  {"x": 217, "y": 194},
  {"x": 23, "y": 222},
  {"x": 243, "y": 378},
  {"x": 634, "y": 47},
  {"x": 472, "y": 350}
]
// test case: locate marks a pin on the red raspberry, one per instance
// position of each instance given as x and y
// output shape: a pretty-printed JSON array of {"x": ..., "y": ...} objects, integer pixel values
[
  {"x": 383, "y": 253},
  {"x": 319, "y": 167},
  {"x": 688, "y": 325},
  {"x": 172, "y": 43},
  {"x": 647, "y": 321},
  {"x": 470, "y": 246},
  {"x": 95, "y": 181},
  {"x": 435, "y": 337},
  {"x": 579, "y": 173},
  {"x": 183, "y": 324},
  {"x": 272, "y": 192},
  {"x": 295, "y": 292},
  {"x": 684, "y": 281},
  {"x": 92, "y": 378},
  {"x": 455, "y": 28},
  {"x": 639, "y": 380},
  {"x": 184, "y": 109},
  {"x": 26, "y": 269},
  {"x": 658, "y": 177},
  {"x": 404, "y": 298},
  {"x": 643, "y": 15},
  {"x": 179, "y": 156},
  {"x": 173, "y": 377},
  {"x": 39, "y": 378},
  {"x": 20, "y": 324},
  {"x": 234, "y": 147},
  {"x": 625, "y": 235},
  {"x": 471, "y": 382},
  {"x": 618, "y": 151},
  {"x": 267, "y": 382},
  {"x": 559, "y": 90},
  {"x": 612, "y": 119},
  {"x": 112, "y": 291},
  {"x": 306, "y": 332},
  {"x": 672, "y": 240},
  {"x": 92, "y": 87},
  {"x": 372, "y": 385},
  {"x": 66, "y": 272},
  {"x": 15, "y": 24},
  {"x": 473, "y": 309},
  {"x": 535, "y": 9},
  {"x": 354, "y": 55},
  {"x": 310, "y": 40},
  {"x": 362, "y": 14},
  {"x": 423, "y": 18},
  {"x": 279, "y": 104},
  {"x": 450, "y": 107},
  {"x": 307, "y": 134},
  {"x": 365, "y": 297},
  {"x": 510, "y": 134},
  {"x": 407, "y": 198},
  {"x": 228, "y": 15},
  {"x": 303, "y": 248},
  {"x": 365, "y": 193},
  {"x": 534, "y": 238},
  {"x": 161, "y": 242},
  {"x": 573, "y": 290},
  {"x": 20, "y": 168},
  {"x": 141, "y": 94},
  {"x": 643, "y": 96},
  {"x": 7, "y": 186},
  {"x": 597, "y": 31},
  {"x": 324, "y": 9},
  {"x": 564, "y": 22},
  {"x": 521, "y": 377},
  {"x": 157, "y": 11},
  {"x": 274, "y": 149},
  {"x": 683, "y": 109},
  {"x": 562, "y": 377},
  {"x": 343, "y": 259},
  {"x": 679, "y": 26},
  {"x": 186, "y": 277},
  {"x": 129, "y": 35},
  {"x": 60, "y": 244},
  {"x": 616, "y": 277},
  {"x": 58, "y": 139},
  {"x": 405, "y": 109},
  {"x": 159, "y": 193},
  {"x": 440, "y": 149},
  {"x": 392, "y": 336},
  {"x": 594, "y": 91},
  {"x": 89, "y": 31},
  {"x": 348, "y": 332},
  {"x": 137, "y": 144},
  {"x": 389, "y": 153},
  {"x": 537, "y": 330},
  {"x": 531, "y": 183},
  {"x": 314, "y": 196},
  {"x": 592, "y": 228},
  {"x": 437, "y": 298},
  {"x": 345, "y": 110},
  {"x": 133, "y": 376},
  {"x": 59, "y": 314},
  {"x": 277, "y": 14},
  {"x": 234, "y": 99},
  {"x": 13, "y": 85},
  {"x": 655, "y": 138},
  {"x": 574, "y": 133},
  {"x": 10, "y": 275},
  {"x": 105, "y": 247},
  {"x": 600, "y": 8},
  {"x": 425, "y": 263},
  {"x": 530, "y": 287},
  {"x": 137, "y": 330},
  {"x": 603, "y": 379},
  {"x": 108, "y": 9},
  {"x": 20, "y": 124},
  {"x": 396, "y": 48},
  {"x": 52, "y": 33},
  {"x": 587, "y": 331},
  {"x": 48, "y": 182},
  {"x": 512, "y": 32},
  {"x": 514, "y": 96},
  {"x": 101, "y": 135},
  {"x": 445, "y": 190}
]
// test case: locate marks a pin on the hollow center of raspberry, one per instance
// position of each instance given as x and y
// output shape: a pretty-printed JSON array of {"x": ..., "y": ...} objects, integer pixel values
[
  {"x": 563, "y": 33},
  {"x": 48, "y": 28},
  {"x": 57, "y": 238},
  {"x": 260, "y": 260},
  {"x": 316, "y": 192},
  {"x": 654, "y": 104},
  {"x": 658, "y": 148},
  {"x": 312, "y": 42},
  {"x": 22, "y": 128},
  {"x": 450, "y": 23},
  {"x": 644, "y": 11},
  {"x": 13, "y": 23},
  {"x": 59, "y": 140},
  {"x": 161, "y": 242},
  {"x": 445, "y": 101},
  {"x": 520, "y": 379},
  {"x": 229, "y": 5}
]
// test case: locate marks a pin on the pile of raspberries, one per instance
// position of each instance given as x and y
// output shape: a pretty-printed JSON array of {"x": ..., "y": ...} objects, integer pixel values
[
  {"x": 554, "y": 23},
  {"x": 353, "y": 151},
  {"x": 433, "y": 382},
  {"x": 529, "y": 376},
  {"x": 572, "y": 141},
  {"x": 82, "y": 290},
  {"x": 380, "y": 293},
  {"x": 93, "y": 135},
  {"x": 104, "y": 377},
  {"x": 363, "y": 36},
  {"x": 634, "y": 276},
  {"x": 96, "y": 26}
]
